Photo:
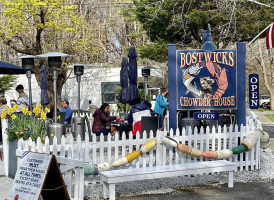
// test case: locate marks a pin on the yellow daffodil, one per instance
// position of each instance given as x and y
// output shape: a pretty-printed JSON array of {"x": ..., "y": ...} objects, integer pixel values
[
  {"x": 29, "y": 113},
  {"x": 38, "y": 106},
  {"x": 6, "y": 107},
  {"x": 25, "y": 110},
  {"x": 15, "y": 107},
  {"x": 13, "y": 116},
  {"x": 47, "y": 110},
  {"x": 34, "y": 110},
  {"x": 43, "y": 117},
  {"x": 3, "y": 116},
  {"x": 9, "y": 111},
  {"x": 4, "y": 112},
  {"x": 59, "y": 117}
]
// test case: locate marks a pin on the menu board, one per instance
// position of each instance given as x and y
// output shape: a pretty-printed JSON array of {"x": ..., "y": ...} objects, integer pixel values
[{"x": 33, "y": 173}]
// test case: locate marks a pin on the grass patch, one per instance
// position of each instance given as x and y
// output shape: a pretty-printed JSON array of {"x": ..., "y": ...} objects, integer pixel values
[
  {"x": 262, "y": 109},
  {"x": 270, "y": 116}
]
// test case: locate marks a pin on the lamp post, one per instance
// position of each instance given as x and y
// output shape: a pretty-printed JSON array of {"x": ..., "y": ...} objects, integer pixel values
[
  {"x": 55, "y": 63},
  {"x": 146, "y": 74},
  {"x": 28, "y": 65},
  {"x": 79, "y": 122},
  {"x": 78, "y": 71}
]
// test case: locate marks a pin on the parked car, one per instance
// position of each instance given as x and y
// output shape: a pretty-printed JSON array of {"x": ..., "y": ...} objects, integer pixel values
[
  {"x": 264, "y": 101},
  {"x": 267, "y": 105}
]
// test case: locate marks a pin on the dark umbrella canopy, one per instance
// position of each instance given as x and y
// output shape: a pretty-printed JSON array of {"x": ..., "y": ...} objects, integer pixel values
[
  {"x": 44, "y": 85},
  {"x": 122, "y": 97},
  {"x": 133, "y": 93},
  {"x": 8, "y": 68}
]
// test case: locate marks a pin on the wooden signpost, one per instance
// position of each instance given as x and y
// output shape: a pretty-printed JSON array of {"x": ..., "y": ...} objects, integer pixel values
[{"x": 38, "y": 174}]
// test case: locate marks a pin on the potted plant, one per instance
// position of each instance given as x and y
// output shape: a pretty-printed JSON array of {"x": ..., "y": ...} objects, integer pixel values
[{"x": 23, "y": 125}]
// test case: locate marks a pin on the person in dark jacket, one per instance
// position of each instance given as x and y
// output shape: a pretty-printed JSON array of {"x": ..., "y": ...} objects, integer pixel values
[
  {"x": 101, "y": 119},
  {"x": 136, "y": 108}
]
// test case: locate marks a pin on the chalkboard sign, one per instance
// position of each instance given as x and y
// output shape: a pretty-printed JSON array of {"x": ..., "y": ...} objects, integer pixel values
[{"x": 38, "y": 174}]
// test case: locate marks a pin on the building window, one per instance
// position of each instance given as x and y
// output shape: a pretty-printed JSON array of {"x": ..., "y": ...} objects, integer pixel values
[{"x": 108, "y": 91}]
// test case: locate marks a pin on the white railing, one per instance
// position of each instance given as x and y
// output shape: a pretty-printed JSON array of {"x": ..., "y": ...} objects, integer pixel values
[
  {"x": 254, "y": 119},
  {"x": 70, "y": 157}
]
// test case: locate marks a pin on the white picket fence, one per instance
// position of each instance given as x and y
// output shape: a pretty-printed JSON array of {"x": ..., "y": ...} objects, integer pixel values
[
  {"x": 107, "y": 149},
  {"x": 69, "y": 156}
]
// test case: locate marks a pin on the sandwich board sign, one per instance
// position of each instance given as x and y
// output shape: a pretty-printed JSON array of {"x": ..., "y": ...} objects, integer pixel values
[{"x": 38, "y": 174}]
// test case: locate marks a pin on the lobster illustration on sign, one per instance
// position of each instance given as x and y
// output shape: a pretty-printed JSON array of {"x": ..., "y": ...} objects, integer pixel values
[
  {"x": 221, "y": 78},
  {"x": 215, "y": 70}
]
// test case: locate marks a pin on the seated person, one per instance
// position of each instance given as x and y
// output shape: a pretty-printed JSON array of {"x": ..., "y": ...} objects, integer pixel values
[
  {"x": 101, "y": 119},
  {"x": 136, "y": 108},
  {"x": 68, "y": 111}
]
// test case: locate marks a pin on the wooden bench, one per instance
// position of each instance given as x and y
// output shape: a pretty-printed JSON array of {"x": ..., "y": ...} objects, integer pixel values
[{"x": 110, "y": 178}]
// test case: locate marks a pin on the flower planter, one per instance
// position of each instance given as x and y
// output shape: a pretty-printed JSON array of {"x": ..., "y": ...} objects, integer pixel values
[
  {"x": 25, "y": 125},
  {"x": 5, "y": 144},
  {"x": 12, "y": 166}
]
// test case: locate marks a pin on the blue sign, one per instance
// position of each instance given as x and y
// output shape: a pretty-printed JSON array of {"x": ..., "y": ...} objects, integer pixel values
[
  {"x": 206, "y": 116},
  {"x": 206, "y": 80},
  {"x": 254, "y": 91}
]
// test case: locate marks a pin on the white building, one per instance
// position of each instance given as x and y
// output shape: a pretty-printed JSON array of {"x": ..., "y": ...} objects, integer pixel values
[{"x": 98, "y": 84}]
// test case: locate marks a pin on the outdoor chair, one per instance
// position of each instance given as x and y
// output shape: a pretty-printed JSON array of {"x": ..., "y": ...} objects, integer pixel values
[
  {"x": 68, "y": 126},
  {"x": 149, "y": 123},
  {"x": 227, "y": 119}
]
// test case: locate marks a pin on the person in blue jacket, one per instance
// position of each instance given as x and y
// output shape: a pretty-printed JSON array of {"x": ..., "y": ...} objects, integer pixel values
[
  {"x": 68, "y": 111},
  {"x": 160, "y": 106}
]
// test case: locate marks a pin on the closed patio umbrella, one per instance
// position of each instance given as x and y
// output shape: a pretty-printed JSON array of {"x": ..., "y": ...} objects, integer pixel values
[
  {"x": 44, "y": 85},
  {"x": 133, "y": 93},
  {"x": 122, "y": 97}
]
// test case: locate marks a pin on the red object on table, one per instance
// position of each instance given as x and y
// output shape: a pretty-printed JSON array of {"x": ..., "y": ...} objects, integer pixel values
[{"x": 120, "y": 120}]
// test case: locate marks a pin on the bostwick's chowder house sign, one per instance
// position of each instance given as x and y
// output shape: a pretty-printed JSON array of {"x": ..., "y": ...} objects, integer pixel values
[
  {"x": 206, "y": 80},
  {"x": 200, "y": 80}
]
